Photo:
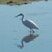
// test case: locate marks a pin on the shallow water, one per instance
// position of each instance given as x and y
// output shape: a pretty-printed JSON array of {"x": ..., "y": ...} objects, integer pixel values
[{"x": 12, "y": 30}]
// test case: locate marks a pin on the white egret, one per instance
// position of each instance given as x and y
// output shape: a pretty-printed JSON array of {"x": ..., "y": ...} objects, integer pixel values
[{"x": 28, "y": 23}]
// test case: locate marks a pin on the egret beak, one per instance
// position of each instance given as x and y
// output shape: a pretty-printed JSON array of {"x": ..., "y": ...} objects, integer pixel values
[{"x": 19, "y": 15}]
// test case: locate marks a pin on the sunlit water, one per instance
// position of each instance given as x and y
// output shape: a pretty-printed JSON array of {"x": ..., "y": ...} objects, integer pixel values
[{"x": 12, "y": 30}]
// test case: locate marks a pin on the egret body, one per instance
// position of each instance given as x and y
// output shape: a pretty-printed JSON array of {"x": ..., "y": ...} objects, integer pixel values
[{"x": 28, "y": 23}]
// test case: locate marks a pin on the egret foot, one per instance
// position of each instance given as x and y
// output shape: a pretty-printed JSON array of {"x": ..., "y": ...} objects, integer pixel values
[{"x": 32, "y": 31}]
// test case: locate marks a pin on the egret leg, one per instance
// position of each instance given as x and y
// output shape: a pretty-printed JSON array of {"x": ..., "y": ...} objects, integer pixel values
[{"x": 32, "y": 31}]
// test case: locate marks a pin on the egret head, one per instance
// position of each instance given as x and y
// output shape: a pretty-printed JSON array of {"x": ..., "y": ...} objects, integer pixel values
[{"x": 21, "y": 14}]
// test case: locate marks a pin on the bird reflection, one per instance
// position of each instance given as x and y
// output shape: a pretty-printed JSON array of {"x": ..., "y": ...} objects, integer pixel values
[
  {"x": 27, "y": 39},
  {"x": 31, "y": 25}
]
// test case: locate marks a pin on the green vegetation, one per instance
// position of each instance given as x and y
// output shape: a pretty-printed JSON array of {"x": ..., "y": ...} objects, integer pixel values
[{"x": 14, "y": 1}]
